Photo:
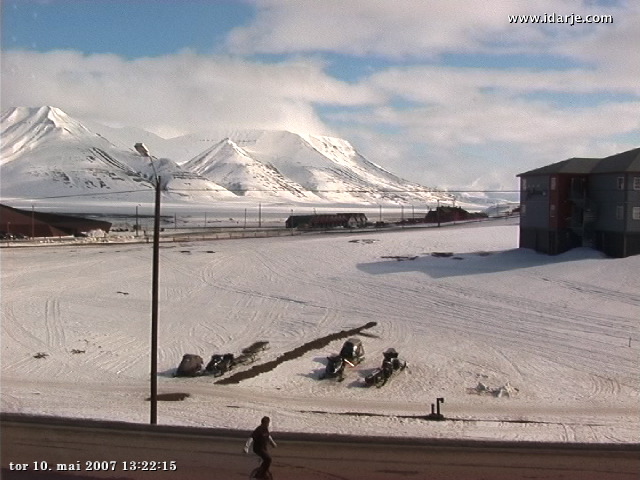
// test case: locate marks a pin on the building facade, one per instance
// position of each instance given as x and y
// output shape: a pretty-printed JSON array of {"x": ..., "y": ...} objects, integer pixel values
[
  {"x": 329, "y": 220},
  {"x": 583, "y": 202},
  {"x": 31, "y": 223}
]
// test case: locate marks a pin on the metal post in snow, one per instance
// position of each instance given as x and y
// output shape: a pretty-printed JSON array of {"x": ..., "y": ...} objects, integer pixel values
[
  {"x": 153, "y": 400},
  {"x": 154, "y": 308}
]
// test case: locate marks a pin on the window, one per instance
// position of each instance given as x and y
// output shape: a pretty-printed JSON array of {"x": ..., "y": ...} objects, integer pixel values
[
  {"x": 524, "y": 184},
  {"x": 619, "y": 212},
  {"x": 635, "y": 213},
  {"x": 554, "y": 183},
  {"x": 636, "y": 183},
  {"x": 523, "y": 210},
  {"x": 553, "y": 210},
  {"x": 620, "y": 183}
]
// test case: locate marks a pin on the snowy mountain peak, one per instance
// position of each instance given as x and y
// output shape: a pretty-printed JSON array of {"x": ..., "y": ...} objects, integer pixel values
[
  {"x": 45, "y": 152},
  {"x": 27, "y": 127},
  {"x": 46, "y": 117},
  {"x": 233, "y": 167}
]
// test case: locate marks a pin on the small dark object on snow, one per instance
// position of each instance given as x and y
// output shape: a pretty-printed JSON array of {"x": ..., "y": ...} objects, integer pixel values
[
  {"x": 41, "y": 355},
  {"x": 250, "y": 353},
  {"x": 435, "y": 410},
  {"x": 335, "y": 368},
  {"x": 352, "y": 351},
  {"x": 171, "y": 397},
  {"x": 190, "y": 366},
  {"x": 220, "y": 364},
  {"x": 256, "y": 347},
  {"x": 390, "y": 364}
]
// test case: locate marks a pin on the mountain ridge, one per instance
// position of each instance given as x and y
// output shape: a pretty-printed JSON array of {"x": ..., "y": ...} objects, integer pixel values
[{"x": 45, "y": 151}]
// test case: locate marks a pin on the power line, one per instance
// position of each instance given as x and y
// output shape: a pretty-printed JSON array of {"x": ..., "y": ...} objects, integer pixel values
[
  {"x": 75, "y": 195},
  {"x": 276, "y": 190}
]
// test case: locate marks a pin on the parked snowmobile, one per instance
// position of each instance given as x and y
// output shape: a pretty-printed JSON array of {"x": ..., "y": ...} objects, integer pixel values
[
  {"x": 335, "y": 368},
  {"x": 190, "y": 366},
  {"x": 390, "y": 364},
  {"x": 352, "y": 351},
  {"x": 220, "y": 364}
]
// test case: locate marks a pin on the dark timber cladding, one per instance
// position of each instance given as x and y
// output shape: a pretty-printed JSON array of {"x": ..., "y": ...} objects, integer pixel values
[
  {"x": 583, "y": 202},
  {"x": 334, "y": 220},
  {"x": 31, "y": 223}
]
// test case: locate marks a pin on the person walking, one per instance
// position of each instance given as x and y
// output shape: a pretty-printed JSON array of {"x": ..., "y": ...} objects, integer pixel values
[{"x": 260, "y": 439}]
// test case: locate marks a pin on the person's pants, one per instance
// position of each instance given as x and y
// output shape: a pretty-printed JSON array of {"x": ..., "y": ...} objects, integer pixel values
[{"x": 266, "y": 461}]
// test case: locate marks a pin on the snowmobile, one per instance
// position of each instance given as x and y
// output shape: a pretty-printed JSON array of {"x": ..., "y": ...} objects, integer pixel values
[
  {"x": 390, "y": 364},
  {"x": 220, "y": 364},
  {"x": 352, "y": 351},
  {"x": 335, "y": 368},
  {"x": 190, "y": 366}
]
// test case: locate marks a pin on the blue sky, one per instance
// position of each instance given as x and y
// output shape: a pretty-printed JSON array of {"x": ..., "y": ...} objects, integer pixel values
[
  {"x": 443, "y": 92},
  {"x": 131, "y": 28}
]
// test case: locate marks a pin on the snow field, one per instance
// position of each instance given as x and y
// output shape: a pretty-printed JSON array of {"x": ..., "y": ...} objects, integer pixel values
[{"x": 561, "y": 332}]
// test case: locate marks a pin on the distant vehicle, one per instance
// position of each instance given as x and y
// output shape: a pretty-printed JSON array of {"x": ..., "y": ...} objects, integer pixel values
[
  {"x": 390, "y": 364},
  {"x": 220, "y": 364},
  {"x": 352, "y": 351},
  {"x": 190, "y": 366},
  {"x": 335, "y": 368}
]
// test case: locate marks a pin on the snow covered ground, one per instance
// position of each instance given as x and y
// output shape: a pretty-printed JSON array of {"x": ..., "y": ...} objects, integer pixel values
[{"x": 560, "y": 333}]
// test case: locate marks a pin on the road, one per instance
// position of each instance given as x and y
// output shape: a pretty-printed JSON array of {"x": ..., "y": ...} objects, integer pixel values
[{"x": 69, "y": 449}]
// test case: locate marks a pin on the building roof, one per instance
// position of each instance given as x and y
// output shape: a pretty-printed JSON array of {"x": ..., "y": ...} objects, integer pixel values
[
  {"x": 628, "y": 161},
  {"x": 572, "y": 165},
  {"x": 621, "y": 162}
]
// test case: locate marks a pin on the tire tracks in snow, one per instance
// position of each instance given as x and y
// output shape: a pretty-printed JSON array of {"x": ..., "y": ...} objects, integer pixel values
[
  {"x": 55, "y": 332},
  {"x": 479, "y": 313},
  {"x": 607, "y": 294}
]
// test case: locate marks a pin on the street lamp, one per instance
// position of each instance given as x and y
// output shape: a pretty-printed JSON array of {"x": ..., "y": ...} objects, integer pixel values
[{"x": 144, "y": 151}]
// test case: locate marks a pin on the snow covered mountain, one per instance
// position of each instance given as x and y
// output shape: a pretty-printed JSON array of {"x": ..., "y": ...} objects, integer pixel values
[
  {"x": 302, "y": 166},
  {"x": 243, "y": 174},
  {"x": 45, "y": 152}
]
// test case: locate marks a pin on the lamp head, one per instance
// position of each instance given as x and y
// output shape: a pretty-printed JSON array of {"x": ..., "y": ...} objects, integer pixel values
[{"x": 142, "y": 149}]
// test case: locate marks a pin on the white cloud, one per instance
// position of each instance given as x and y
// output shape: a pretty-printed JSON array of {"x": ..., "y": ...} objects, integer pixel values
[
  {"x": 405, "y": 28},
  {"x": 610, "y": 47},
  {"x": 178, "y": 93}
]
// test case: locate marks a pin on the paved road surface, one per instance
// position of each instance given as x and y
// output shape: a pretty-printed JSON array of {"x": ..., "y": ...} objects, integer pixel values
[{"x": 208, "y": 454}]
